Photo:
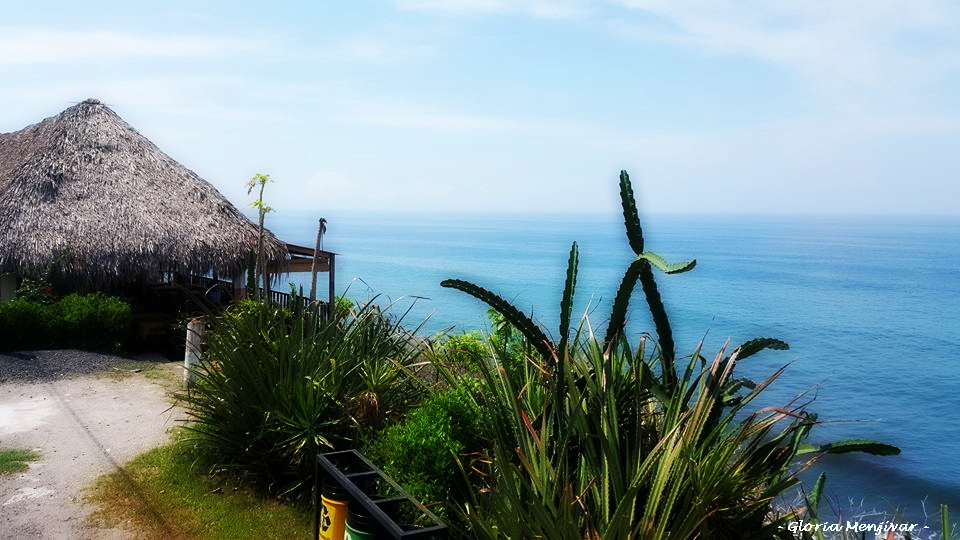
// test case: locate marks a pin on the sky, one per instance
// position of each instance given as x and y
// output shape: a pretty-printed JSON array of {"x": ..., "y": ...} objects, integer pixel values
[{"x": 530, "y": 106}]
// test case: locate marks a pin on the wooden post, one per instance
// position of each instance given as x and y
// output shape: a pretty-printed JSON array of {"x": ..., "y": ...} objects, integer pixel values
[
  {"x": 191, "y": 355},
  {"x": 321, "y": 228}
]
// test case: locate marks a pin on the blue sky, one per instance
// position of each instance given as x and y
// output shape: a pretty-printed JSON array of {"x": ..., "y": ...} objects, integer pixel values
[{"x": 519, "y": 105}]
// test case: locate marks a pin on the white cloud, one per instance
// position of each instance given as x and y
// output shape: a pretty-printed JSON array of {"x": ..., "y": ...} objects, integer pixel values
[
  {"x": 193, "y": 96},
  {"x": 390, "y": 44},
  {"x": 398, "y": 118},
  {"x": 413, "y": 116},
  {"x": 855, "y": 53},
  {"x": 336, "y": 189},
  {"x": 548, "y": 9},
  {"x": 47, "y": 46}
]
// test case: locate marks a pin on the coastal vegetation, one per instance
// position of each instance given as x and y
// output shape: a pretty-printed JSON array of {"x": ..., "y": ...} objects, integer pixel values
[
  {"x": 37, "y": 318},
  {"x": 514, "y": 435},
  {"x": 276, "y": 386},
  {"x": 600, "y": 438}
]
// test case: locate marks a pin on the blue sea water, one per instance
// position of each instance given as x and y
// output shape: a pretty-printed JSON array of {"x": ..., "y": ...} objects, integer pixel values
[{"x": 869, "y": 305}]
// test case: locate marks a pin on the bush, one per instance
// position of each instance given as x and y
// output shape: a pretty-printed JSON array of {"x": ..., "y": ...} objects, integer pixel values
[
  {"x": 462, "y": 350},
  {"x": 424, "y": 452},
  {"x": 91, "y": 322},
  {"x": 275, "y": 387},
  {"x": 26, "y": 325},
  {"x": 37, "y": 290}
]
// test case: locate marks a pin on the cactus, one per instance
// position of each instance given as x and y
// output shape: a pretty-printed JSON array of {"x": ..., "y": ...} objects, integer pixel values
[
  {"x": 640, "y": 269},
  {"x": 618, "y": 314},
  {"x": 566, "y": 302},
  {"x": 514, "y": 316},
  {"x": 752, "y": 347}
]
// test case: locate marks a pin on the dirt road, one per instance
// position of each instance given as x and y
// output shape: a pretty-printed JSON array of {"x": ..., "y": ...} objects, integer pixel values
[{"x": 83, "y": 427}]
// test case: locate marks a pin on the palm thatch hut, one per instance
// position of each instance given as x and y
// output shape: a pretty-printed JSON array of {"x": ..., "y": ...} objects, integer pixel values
[{"x": 86, "y": 194}]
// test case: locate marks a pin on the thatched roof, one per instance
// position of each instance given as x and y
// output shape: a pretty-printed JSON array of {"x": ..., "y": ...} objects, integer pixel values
[{"x": 84, "y": 191}]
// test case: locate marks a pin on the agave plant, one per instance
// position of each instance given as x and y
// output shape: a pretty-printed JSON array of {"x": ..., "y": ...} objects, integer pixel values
[
  {"x": 274, "y": 387},
  {"x": 601, "y": 439}
]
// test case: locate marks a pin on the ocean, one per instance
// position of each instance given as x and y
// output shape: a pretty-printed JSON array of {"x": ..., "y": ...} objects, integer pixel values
[{"x": 869, "y": 305}]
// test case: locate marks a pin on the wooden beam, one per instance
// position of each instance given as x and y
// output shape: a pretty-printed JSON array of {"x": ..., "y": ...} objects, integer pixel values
[{"x": 300, "y": 265}]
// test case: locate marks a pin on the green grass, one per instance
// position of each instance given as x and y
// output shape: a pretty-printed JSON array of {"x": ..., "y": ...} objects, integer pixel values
[
  {"x": 168, "y": 374},
  {"x": 14, "y": 460},
  {"x": 166, "y": 493}
]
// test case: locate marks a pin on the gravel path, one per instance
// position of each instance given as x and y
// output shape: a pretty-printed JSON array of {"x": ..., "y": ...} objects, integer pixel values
[
  {"x": 41, "y": 366},
  {"x": 82, "y": 425}
]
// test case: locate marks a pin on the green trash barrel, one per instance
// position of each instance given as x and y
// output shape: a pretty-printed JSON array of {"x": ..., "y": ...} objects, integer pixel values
[{"x": 361, "y": 525}]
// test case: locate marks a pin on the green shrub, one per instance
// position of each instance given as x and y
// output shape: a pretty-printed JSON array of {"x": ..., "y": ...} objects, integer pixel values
[
  {"x": 37, "y": 290},
  {"x": 90, "y": 321},
  {"x": 26, "y": 325},
  {"x": 275, "y": 387},
  {"x": 425, "y": 452},
  {"x": 465, "y": 349}
]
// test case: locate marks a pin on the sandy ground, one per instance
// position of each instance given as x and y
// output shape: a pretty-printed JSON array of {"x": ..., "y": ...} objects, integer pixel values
[{"x": 83, "y": 427}]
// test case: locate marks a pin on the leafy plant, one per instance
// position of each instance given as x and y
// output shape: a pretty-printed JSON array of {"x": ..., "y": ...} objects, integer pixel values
[
  {"x": 26, "y": 325},
  {"x": 424, "y": 452},
  {"x": 85, "y": 321},
  {"x": 463, "y": 349},
  {"x": 947, "y": 531},
  {"x": 274, "y": 387},
  {"x": 467, "y": 351},
  {"x": 597, "y": 439},
  {"x": 38, "y": 290},
  {"x": 92, "y": 321}
]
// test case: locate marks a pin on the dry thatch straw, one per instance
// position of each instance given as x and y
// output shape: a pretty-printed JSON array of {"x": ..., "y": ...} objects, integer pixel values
[{"x": 86, "y": 193}]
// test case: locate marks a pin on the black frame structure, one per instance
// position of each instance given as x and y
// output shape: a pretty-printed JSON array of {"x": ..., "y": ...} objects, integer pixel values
[{"x": 355, "y": 473}]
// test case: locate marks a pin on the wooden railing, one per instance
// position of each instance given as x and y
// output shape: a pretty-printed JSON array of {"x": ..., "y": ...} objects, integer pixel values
[
  {"x": 285, "y": 300},
  {"x": 221, "y": 292}
]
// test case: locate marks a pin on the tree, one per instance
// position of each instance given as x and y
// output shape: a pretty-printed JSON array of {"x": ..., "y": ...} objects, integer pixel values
[{"x": 262, "y": 209}]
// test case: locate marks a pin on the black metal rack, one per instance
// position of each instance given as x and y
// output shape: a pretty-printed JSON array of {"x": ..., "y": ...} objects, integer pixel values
[{"x": 378, "y": 494}]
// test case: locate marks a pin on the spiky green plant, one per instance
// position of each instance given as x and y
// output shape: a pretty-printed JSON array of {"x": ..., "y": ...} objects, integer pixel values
[
  {"x": 274, "y": 387},
  {"x": 598, "y": 439}
]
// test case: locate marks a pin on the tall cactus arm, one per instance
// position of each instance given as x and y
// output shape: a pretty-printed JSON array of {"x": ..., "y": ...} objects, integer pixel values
[
  {"x": 752, "y": 347},
  {"x": 618, "y": 315},
  {"x": 660, "y": 321},
  {"x": 566, "y": 302},
  {"x": 631, "y": 219},
  {"x": 851, "y": 445},
  {"x": 514, "y": 316}
]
